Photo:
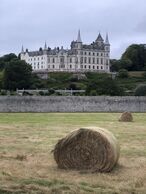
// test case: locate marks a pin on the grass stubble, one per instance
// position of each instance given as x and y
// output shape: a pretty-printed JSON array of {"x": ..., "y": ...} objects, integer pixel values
[{"x": 27, "y": 165}]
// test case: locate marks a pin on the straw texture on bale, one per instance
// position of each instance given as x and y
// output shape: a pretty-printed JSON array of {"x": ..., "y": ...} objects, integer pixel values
[
  {"x": 126, "y": 117},
  {"x": 91, "y": 149}
]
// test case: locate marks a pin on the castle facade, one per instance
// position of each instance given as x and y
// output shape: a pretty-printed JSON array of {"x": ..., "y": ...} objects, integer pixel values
[{"x": 94, "y": 57}]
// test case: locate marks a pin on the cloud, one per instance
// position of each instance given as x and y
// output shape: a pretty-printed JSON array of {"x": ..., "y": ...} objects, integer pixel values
[{"x": 32, "y": 22}]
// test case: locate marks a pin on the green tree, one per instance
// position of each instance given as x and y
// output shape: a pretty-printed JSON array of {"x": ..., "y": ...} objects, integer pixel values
[
  {"x": 17, "y": 74},
  {"x": 140, "y": 90},
  {"x": 123, "y": 73},
  {"x": 106, "y": 86},
  {"x": 115, "y": 65},
  {"x": 136, "y": 54},
  {"x": 5, "y": 59}
]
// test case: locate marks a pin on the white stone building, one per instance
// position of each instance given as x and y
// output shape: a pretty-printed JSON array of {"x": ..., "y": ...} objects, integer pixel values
[{"x": 80, "y": 57}]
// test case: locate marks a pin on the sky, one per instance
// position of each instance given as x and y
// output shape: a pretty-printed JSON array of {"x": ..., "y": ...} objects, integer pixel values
[{"x": 32, "y": 22}]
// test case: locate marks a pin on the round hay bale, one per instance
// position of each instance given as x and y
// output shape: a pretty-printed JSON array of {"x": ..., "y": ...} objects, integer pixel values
[
  {"x": 126, "y": 117},
  {"x": 91, "y": 149}
]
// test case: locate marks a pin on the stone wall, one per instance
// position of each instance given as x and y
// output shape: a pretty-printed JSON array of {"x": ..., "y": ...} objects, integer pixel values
[{"x": 71, "y": 104}]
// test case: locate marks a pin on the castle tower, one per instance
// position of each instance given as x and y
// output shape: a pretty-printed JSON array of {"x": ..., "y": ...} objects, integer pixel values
[
  {"x": 45, "y": 46},
  {"x": 99, "y": 40},
  {"x": 79, "y": 41},
  {"x": 22, "y": 49},
  {"x": 107, "y": 44}
]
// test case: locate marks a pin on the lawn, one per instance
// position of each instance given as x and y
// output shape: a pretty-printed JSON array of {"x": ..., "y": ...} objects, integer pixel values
[{"x": 27, "y": 164}]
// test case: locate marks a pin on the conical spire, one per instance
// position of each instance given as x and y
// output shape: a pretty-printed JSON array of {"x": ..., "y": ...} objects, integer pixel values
[
  {"x": 45, "y": 47},
  {"x": 79, "y": 37},
  {"x": 106, "y": 39},
  {"x": 22, "y": 50},
  {"x": 99, "y": 38}
]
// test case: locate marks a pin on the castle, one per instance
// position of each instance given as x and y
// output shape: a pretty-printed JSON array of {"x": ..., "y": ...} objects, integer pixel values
[{"x": 94, "y": 57}]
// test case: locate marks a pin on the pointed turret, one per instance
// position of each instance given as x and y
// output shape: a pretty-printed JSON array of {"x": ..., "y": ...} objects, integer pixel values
[
  {"x": 45, "y": 47},
  {"x": 79, "y": 37},
  {"x": 22, "y": 49},
  {"x": 107, "y": 44},
  {"x": 99, "y": 38},
  {"x": 107, "y": 40}
]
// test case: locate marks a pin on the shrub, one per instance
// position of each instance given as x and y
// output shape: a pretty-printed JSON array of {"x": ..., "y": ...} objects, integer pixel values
[
  {"x": 93, "y": 93},
  {"x": 140, "y": 90},
  {"x": 123, "y": 73}
]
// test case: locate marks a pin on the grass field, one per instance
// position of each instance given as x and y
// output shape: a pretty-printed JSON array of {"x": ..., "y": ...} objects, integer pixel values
[{"x": 27, "y": 165}]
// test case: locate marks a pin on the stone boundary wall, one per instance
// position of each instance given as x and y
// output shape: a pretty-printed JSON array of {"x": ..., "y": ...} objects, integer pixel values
[{"x": 72, "y": 104}]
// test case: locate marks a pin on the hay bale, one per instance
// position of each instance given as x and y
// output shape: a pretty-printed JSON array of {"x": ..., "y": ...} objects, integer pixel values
[
  {"x": 126, "y": 117},
  {"x": 91, "y": 149}
]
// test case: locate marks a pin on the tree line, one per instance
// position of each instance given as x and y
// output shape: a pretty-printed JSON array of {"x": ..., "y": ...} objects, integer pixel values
[{"x": 133, "y": 59}]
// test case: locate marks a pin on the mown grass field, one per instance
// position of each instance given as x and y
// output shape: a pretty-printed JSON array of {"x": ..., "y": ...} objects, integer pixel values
[{"x": 27, "y": 165}]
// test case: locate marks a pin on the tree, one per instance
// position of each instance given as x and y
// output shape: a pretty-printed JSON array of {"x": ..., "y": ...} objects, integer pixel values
[
  {"x": 5, "y": 59},
  {"x": 106, "y": 86},
  {"x": 136, "y": 54},
  {"x": 17, "y": 74},
  {"x": 123, "y": 73},
  {"x": 140, "y": 90},
  {"x": 115, "y": 65}
]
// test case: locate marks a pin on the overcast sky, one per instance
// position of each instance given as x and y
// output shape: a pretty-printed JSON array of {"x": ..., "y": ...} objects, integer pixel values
[{"x": 32, "y": 22}]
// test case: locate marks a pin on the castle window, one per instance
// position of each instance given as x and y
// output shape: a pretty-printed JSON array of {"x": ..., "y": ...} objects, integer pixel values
[
  {"x": 85, "y": 60},
  {"x": 48, "y": 60},
  {"x": 97, "y": 54},
  {"x": 102, "y": 61},
  {"x": 34, "y": 59},
  {"x": 93, "y": 67},
  {"x": 101, "y": 54},
  {"x": 81, "y": 60},
  {"x": 70, "y": 60},
  {"x": 53, "y": 60},
  {"x": 101, "y": 67},
  {"x": 89, "y": 53},
  {"x": 93, "y": 60},
  {"x": 85, "y": 66},
  {"x": 97, "y": 67},
  {"x": 70, "y": 66},
  {"x": 107, "y": 54},
  {"x": 38, "y": 63},
  {"x": 85, "y": 53},
  {"x": 81, "y": 66},
  {"x": 48, "y": 66},
  {"x": 89, "y": 60},
  {"x": 93, "y": 54},
  {"x": 42, "y": 67},
  {"x": 42, "y": 58},
  {"x": 38, "y": 66},
  {"x": 53, "y": 66},
  {"x": 89, "y": 67},
  {"x": 97, "y": 61},
  {"x": 38, "y": 58},
  {"x": 107, "y": 62}
]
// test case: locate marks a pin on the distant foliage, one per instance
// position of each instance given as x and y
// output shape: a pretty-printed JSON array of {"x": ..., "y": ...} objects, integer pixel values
[
  {"x": 5, "y": 59},
  {"x": 123, "y": 73},
  {"x": 137, "y": 55},
  {"x": 106, "y": 86},
  {"x": 140, "y": 90},
  {"x": 17, "y": 75}
]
